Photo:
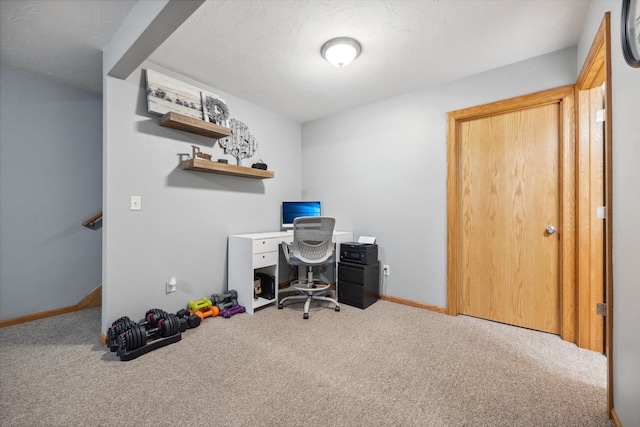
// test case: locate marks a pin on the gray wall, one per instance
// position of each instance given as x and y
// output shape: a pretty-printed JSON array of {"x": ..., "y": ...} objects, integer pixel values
[
  {"x": 50, "y": 181},
  {"x": 381, "y": 168},
  {"x": 626, "y": 211},
  {"x": 186, "y": 216}
]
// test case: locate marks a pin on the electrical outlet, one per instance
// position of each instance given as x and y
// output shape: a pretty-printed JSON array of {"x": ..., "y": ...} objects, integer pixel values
[
  {"x": 172, "y": 284},
  {"x": 386, "y": 270},
  {"x": 135, "y": 203}
]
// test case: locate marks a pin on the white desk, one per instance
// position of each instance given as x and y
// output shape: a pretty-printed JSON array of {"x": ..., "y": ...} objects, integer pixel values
[{"x": 260, "y": 252}]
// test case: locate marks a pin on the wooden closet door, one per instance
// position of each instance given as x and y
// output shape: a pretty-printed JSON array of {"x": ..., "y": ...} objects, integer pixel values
[{"x": 510, "y": 217}]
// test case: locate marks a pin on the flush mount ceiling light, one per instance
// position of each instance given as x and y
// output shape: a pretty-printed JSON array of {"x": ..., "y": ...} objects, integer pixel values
[{"x": 341, "y": 51}]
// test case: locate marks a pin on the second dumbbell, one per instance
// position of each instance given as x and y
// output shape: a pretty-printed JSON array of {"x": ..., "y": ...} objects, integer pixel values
[{"x": 192, "y": 320}]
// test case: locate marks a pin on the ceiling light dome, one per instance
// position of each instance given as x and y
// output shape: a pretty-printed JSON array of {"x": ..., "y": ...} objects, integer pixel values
[{"x": 341, "y": 51}]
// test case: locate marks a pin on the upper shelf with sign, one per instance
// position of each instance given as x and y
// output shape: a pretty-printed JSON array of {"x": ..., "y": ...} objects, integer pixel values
[{"x": 189, "y": 124}]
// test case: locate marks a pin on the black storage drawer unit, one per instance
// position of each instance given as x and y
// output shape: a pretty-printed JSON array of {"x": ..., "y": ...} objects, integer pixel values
[{"x": 358, "y": 285}]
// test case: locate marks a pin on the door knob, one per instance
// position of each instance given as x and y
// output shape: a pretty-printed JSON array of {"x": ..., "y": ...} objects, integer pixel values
[{"x": 550, "y": 229}]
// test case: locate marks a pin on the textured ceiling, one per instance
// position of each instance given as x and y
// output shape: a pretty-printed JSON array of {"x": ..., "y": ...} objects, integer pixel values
[
  {"x": 60, "y": 39},
  {"x": 268, "y": 52}
]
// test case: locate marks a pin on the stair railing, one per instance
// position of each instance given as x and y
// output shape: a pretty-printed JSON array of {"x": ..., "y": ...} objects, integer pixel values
[{"x": 94, "y": 222}]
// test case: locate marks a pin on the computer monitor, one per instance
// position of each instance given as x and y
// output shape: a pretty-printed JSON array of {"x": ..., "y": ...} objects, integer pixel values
[{"x": 292, "y": 210}]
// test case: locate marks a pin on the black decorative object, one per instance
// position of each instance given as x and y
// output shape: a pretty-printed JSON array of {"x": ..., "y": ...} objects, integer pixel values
[
  {"x": 260, "y": 165},
  {"x": 630, "y": 32}
]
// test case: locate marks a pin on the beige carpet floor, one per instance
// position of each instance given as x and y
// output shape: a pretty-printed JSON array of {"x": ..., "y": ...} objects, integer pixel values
[{"x": 388, "y": 365}]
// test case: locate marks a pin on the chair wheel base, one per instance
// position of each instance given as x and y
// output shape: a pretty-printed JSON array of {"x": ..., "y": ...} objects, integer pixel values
[
  {"x": 337, "y": 308},
  {"x": 280, "y": 306},
  {"x": 305, "y": 316}
]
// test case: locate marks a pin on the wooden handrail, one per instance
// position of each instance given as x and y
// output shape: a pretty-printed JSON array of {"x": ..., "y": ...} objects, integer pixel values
[{"x": 91, "y": 222}]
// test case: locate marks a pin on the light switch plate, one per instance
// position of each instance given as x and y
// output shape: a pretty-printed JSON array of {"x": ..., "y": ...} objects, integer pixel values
[{"x": 136, "y": 203}]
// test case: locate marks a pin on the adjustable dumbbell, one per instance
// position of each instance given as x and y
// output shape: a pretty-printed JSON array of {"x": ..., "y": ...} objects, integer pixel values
[
  {"x": 151, "y": 318},
  {"x": 153, "y": 315},
  {"x": 137, "y": 335},
  {"x": 124, "y": 323},
  {"x": 117, "y": 327}
]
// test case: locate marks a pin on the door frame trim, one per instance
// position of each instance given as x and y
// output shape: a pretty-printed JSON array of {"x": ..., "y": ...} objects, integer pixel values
[
  {"x": 564, "y": 96},
  {"x": 597, "y": 67}
]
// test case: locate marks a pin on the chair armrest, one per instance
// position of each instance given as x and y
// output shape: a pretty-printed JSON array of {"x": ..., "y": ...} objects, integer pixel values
[{"x": 286, "y": 250}]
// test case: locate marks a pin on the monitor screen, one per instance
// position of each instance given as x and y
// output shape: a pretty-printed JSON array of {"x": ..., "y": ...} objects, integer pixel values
[{"x": 292, "y": 210}]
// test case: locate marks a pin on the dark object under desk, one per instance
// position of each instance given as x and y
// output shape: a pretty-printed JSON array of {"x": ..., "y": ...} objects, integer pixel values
[{"x": 358, "y": 285}]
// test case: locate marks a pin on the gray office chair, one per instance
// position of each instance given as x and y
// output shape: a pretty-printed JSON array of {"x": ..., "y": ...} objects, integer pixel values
[{"x": 312, "y": 246}]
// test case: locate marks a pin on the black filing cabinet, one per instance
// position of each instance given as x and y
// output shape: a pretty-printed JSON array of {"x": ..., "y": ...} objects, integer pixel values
[{"x": 358, "y": 284}]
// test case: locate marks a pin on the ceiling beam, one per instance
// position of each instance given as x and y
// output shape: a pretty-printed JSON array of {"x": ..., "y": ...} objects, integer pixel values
[{"x": 147, "y": 26}]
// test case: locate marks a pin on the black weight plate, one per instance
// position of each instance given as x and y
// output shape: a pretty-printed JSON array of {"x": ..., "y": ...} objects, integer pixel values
[
  {"x": 153, "y": 315},
  {"x": 135, "y": 333},
  {"x": 132, "y": 338},
  {"x": 120, "y": 341},
  {"x": 176, "y": 325},
  {"x": 128, "y": 338},
  {"x": 125, "y": 340},
  {"x": 162, "y": 314},
  {"x": 142, "y": 337},
  {"x": 173, "y": 325},
  {"x": 115, "y": 326},
  {"x": 122, "y": 319},
  {"x": 183, "y": 325},
  {"x": 152, "y": 319},
  {"x": 172, "y": 329},
  {"x": 193, "y": 321},
  {"x": 119, "y": 326},
  {"x": 123, "y": 325}
]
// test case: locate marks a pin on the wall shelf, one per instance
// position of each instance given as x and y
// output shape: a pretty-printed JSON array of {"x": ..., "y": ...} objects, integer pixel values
[
  {"x": 202, "y": 165},
  {"x": 200, "y": 127},
  {"x": 189, "y": 124}
]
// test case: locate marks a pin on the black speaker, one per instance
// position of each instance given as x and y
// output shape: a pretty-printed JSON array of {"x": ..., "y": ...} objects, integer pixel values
[{"x": 268, "y": 285}]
